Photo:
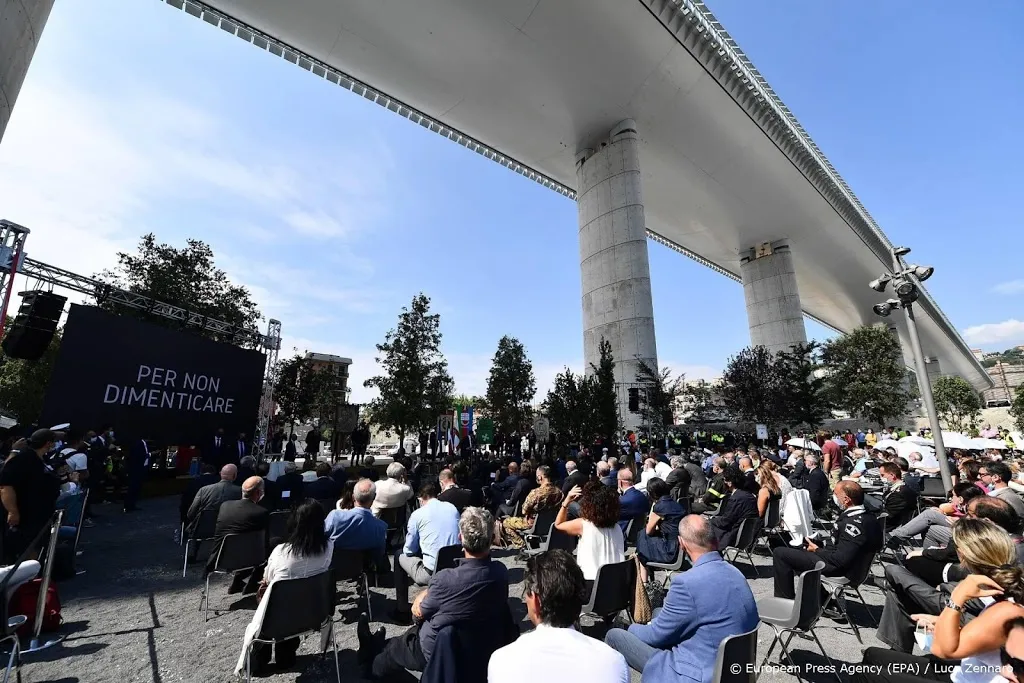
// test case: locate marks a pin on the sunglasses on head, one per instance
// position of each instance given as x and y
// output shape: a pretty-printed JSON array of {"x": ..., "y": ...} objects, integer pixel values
[{"x": 1016, "y": 665}]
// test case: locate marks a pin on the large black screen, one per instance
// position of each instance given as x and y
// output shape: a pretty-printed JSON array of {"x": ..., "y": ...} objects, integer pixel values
[{"x": 172, "y": 387}]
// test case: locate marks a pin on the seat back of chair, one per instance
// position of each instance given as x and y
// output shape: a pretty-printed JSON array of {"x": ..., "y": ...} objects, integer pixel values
[
  {"x": 634, "y": 527},
  {"x": 396, "y": 518},
  {"x": 807, "y": 605},
  {"x": 861, "y": 568},
  {"x": 773, "y": 515},
  {"x": 447, "y": 556},
  {"x": 614, "y": 588},
  {"x": 206, "y": 525},
  {"x": 932, "y": 487},
  {"x": 297, "y": 606},
  {"x": 278, "y": 524},
  {"x": 736, "y": 658},
  {"x": 559, "y": 540},
  {"x": 347, "y": 564},
  {"x": 747, "y": 534},
  {"x": 241, "y": 551},
  {"x": 543, "y": 521}
]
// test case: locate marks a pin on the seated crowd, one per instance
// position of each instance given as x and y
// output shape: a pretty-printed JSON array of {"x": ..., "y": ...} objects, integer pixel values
[{"x": 954, "y": 570}]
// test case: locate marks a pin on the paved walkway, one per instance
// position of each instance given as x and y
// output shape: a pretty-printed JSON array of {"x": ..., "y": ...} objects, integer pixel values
[{"x": 132, "y": 618}]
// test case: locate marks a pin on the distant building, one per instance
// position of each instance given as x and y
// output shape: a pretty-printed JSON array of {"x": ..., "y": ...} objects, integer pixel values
[
  {"x": 1006, "y": 378},
  {"x": 336, "y": 365}
]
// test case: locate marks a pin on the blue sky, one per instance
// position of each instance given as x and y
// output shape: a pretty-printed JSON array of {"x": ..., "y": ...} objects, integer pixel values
[{"x": 335, "y": 212}]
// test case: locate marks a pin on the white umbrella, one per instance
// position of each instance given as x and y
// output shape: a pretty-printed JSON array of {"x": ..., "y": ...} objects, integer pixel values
[
  {"x": 803, "y": 443},
  {"x": 957, "y": 440},
  {"x": 61, "y": 427},
  {"x": 905, "y": 449},
  {"x": 919, "y": 440},
  {"x": 986, "y": 444},
  {"x": 887, "y": 443}
]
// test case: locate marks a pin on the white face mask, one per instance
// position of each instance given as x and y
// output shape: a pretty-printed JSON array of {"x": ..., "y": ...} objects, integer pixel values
[{"x": 835, "y": 499}]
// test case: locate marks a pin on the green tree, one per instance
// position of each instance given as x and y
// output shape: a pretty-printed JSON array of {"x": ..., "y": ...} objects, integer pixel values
[
  {"x": 511, "y": 385},
  {"x": 23, "y": 383},
  {"x": 184, "y": 277},
  {"x": 751, "y": 386},
  {"x": 567, "y": 407},
  {"x": 802, "y": 396},
  {"x": 415, "y": 386},
  {"x": 302, "y": 392},
  {"x": 1017, "y": 409},
  {"x": 602, "y": 394},
  {"x": 660, "y": 391},
  {"x": 701, "y": 403},
  {"x": 956, "y": 402},
  {"x": 865, "y": 375}
]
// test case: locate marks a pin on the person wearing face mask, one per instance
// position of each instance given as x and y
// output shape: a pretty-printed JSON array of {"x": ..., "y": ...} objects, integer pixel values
[
  {"x": 856, "y": 539},
  {"x": 898, "y": 502}
]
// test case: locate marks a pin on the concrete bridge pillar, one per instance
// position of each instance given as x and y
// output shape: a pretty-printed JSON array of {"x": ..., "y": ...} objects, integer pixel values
[
  {"x": 774, "y": 313},
  {"x": 614, "y": 266},
  {"x": 21, "y": 24},
  {"x": 934, "y": 369}
]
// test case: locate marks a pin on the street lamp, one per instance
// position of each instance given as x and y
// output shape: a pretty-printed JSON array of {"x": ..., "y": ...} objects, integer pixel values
[{"x": 906, "y": 282}]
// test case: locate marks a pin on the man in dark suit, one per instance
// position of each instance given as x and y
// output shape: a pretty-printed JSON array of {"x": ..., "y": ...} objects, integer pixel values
[
  {"x": 240, "y": 517},
  {"x": 217, "y": 457},
  {"x": 632, "y": 501},
  {"x": 813, "y": 480},
  {"x": 241, "y": 449},
  {"x": 324, "y": 488},
  {"x": 899, "y": 502},
  {"x": 214, "y": 495},
  {"x": 207, "y": 476},
  {"x": 291, "y": 485},
  {"x": 605, "y": 474},
  {"x": 271, "y": 489},
  {"x": 573, "y": 477},
  {"x": 678, "y": 479},
  {"x": 740, "y": 504},
  {"x": 452, "y": 493},
  {"x": 135, "y": 468}
]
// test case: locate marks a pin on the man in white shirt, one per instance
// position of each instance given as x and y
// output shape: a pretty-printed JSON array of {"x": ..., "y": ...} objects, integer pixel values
[
  {"x": 393, "y": 492},
  {"x": 76, "y": 457},
  {"x": 552, "y": 592}
]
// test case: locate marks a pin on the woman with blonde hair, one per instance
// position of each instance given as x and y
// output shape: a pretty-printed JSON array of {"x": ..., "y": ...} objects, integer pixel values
[
  {"x": 997, "y": 581},
  {"x": 773, "y": 486}
]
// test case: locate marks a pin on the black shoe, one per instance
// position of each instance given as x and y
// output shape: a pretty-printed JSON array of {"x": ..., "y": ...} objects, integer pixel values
[
  {"x": 365, "y": 653},
  {"x": 401, "y": 617},
  {"x": 834, "y": 615}
]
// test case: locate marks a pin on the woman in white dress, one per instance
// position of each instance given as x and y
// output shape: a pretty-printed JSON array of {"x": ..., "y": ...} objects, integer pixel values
[
  {"x": 307, "y": 551},
  {"x": 601, "y": 540},
  {"x": 997, "y": 581}
]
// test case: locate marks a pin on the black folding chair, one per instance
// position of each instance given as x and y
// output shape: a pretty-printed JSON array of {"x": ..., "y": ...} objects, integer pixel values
[
  {"x": 933, "y": 491},
  {"x": 613, "y": 590},
  {"x": 397, "y": 519},
  {"x": 746, "y": 537},
  {"x": 278, "y": 524},
  {"x": 634, "y": 527},
  {"x": 734, "y": 662},
  {"x": 296, "y": 607},
  {"x": 350, "y": 565},
  {"x": 447, "y": 556},
  {"x": 772, "y": 522},
  {"x": 237, "y": 552},
  {"x": 203, "y": 530},
  {"x": 837, "y": 588}
]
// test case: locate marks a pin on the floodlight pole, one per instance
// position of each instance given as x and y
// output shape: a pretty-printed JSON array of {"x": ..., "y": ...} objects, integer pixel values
[{"x": 923, "y": 384}]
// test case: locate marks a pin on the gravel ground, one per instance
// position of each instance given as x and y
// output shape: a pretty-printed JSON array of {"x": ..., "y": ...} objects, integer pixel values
[{"x": 131, "y": 617}]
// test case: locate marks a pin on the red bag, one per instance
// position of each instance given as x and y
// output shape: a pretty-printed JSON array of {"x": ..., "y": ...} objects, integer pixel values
[{"x": 25, "y": 601}]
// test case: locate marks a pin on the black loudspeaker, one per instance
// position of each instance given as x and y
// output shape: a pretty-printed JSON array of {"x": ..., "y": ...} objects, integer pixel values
[
  {"x": 33, "y": 329},
  {"x": 634, "y": 400}
]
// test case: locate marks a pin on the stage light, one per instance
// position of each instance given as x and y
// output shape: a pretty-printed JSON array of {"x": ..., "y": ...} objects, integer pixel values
[
  {"x": 922, "y": 273},
  {"x": 879, "y": 284},
  {"x": 882, "y": 309},
  {"x": 907, "y": 291},
  {"x": 901, "y": 251}
]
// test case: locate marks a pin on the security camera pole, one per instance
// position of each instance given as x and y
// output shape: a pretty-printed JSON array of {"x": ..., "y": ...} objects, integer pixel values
[{"x": 906, "y": 285}]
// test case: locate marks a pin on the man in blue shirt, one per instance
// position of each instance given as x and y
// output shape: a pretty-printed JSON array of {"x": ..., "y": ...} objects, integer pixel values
[
  {"x": 681, "y": 642},
  {"x": 432, "y": 526},
  {"x": 632, "y": 501},
  {"x": 358, "y": 529}
]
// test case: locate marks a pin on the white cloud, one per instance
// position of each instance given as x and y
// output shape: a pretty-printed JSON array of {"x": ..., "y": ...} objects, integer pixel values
[
  {"x": 1011, "y": 287},
  {"x": 1007, "y": 333}
]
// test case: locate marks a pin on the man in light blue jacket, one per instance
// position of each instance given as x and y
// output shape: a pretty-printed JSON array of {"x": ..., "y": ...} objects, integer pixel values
[{"x": 705, "y": 605}]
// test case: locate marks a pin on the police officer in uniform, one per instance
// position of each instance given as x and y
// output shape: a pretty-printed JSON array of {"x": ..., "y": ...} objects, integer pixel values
[{"x": 857, "y": 537}]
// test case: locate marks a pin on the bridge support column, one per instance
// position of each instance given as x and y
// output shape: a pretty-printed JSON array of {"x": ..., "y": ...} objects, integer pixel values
[
  {"x": 615, "y": 270},
  {"x": 934, "y": 369},
  {"x": 774, "y": 313},
  {"x": 21, "y": 24}
]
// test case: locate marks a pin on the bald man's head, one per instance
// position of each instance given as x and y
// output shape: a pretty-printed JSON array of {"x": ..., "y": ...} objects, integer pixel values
[
  {"x": 252, "y": 489},
  {"x": 849, "y": 494},
  {"x": 228, "y": 473},
  {"x": 696, "y": 536}
]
